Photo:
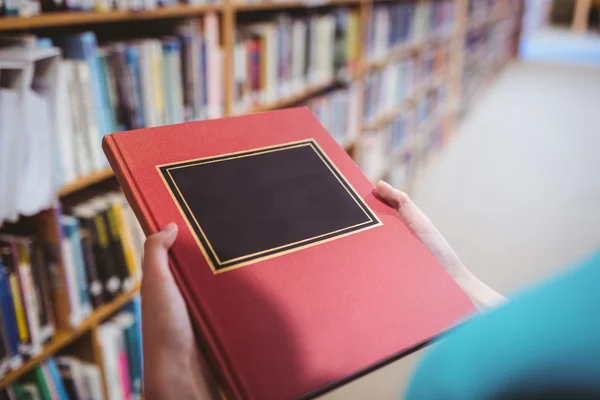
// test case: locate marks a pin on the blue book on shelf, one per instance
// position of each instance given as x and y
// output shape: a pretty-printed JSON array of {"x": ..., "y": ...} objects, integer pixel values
[
  {"x": 71, "y": 229},
  {"x": 135, "y": 307},
  {"x": 84, "y": 47},
  {"x": 9, "y": 320},
  {"x": 56, "y": 379},
  {"x": 132, "y": 56},
  {"x": 203, "y": 79}
]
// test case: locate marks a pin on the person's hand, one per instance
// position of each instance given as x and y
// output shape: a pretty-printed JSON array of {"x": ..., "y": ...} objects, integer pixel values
[
  {"x": 482, "y": 295},
  {"x": 173, "y": 367}
]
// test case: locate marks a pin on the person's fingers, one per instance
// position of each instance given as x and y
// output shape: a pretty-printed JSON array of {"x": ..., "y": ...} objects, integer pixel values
[
  {"x": 164, "y": 314},
  {"x": 411, "y": 214},
  {"x": 431, "y": 237},
  {"x": 173, "y": 367}
]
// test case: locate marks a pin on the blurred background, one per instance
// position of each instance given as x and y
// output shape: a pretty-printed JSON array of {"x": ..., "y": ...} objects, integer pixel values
[{"x": 484, "y": 111}]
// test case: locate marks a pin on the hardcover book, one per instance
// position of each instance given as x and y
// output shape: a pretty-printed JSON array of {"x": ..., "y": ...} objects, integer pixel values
[{"x": 296, "y": 276}]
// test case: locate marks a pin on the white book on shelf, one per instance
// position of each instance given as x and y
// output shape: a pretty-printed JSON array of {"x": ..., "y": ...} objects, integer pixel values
[
  {"x": 64, "y": 126},
  {"x": 298, "y": 54},
  {"x": 75, "y": 368},
  {"x": 214, "y": 63},
  {"x": 108, "y": 335},
  {"x": 10, "y": 123},
  {"x": 81, "y": 153},
  {"x": 36, "y": 186},
  {"x": 71, "y": 282},
  {"x": 146, "y": 83},
  {"x": 90, "y": 125},
  {"x": 178, "y": 108},
  {"x": 92, "y": 378}
]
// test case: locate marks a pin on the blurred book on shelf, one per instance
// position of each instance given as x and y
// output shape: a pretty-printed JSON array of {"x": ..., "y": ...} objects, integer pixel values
[
  {"x": 289, "y": 55},
  {"x": 394, "y": 25},
  {"x": 27, "y": 8},
  {"x": 54, "y": 278},
  {"x": 65, "y": 105},
  {"x": 338, "y": 112},
  {"x": 67, "y": 376},
  {"x": 120, "y": 343}
]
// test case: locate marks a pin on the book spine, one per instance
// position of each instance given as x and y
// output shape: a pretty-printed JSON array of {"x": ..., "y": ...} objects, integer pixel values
[
  {"x": 95, "y": 286},
  {"x": 109, "y": 95},
  {"x": 124, "y": 234},
  {"x": 91, "y": 124},
  {"x": 19, "y": 311},
  {"x": 29, "y": 299},
  {"x": 133, "y": 63},
  {"x": 103, "y": 252},
  {"x": 92, "y": 380},
  {"x": 80, "y": 269},
  {"x": 68, "y": 379},
  {"x": 118, "y": 248},
  {"x": 56, "y": 378},
  {"x": 9, "y": 321},
  {"x": 64, "y": 127},
  {"x": 107, "y": 340},
  {"x": 176, "y": 68},
  {"x": 213, "y": 71},
  {"x": 75, "y": 302},
  {"x": 156, "y": 68}
]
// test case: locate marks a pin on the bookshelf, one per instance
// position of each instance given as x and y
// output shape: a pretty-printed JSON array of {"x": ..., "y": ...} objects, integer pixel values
[
  {"x": 456, "y": 69},
  {"x": 63, "y": 338}
]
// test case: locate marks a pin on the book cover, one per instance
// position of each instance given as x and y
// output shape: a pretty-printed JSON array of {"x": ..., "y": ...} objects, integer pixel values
[{"x": 286, "y": 259}]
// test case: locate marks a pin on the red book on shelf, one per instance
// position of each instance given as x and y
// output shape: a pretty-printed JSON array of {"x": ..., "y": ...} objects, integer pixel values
[{"x": 297, "y": 278}]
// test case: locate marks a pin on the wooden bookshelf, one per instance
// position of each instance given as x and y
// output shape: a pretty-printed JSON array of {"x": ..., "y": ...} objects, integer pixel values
[
  {"x": 228, "y": 10},
  {"x": 63, "y": 338},
  {"x": 282, "y": 5},
  {"x": 86, "y": 181},
  {"x": 60, "y": 19},
  {"x": 294, "y": 98}
]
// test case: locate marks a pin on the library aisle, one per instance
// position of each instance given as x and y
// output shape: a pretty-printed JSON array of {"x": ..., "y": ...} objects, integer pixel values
[{"x": 516, "y": 192}]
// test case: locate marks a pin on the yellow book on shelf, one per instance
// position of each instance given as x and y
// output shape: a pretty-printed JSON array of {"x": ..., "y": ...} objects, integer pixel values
[
  {"x": 126, "y": 241},
  {"x": 157, "y": 73},
  {"x": 352, "y": 38},
  {"x": 19, "y": 312}
]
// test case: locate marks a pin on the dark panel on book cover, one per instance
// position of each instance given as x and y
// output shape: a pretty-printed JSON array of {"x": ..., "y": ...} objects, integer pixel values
[{"x": 254, "y": 204}]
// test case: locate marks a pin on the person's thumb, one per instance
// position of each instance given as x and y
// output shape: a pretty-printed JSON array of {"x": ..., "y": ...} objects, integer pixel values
[{"x": 156, "y": 259}]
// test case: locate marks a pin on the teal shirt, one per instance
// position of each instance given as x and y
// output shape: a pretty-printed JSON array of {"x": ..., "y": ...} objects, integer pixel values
[{"x": 544, "y": 343}]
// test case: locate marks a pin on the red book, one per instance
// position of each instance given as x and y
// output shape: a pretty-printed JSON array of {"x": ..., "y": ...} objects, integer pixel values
[{"x": 297, "y": 278}]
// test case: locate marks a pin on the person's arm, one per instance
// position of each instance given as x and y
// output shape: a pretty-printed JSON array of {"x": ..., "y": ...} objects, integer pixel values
[
  {"x": 482, "y": 295},
  {"x": 173, "y": 367},
  {"x": 544, "y": 344}
]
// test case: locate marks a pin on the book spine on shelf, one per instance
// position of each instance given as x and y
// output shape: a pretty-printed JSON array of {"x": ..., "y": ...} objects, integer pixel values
[
  {"x": 95, "y": 286},
  {"x": 9, "y": 319},
  {"x": 92, "y": 379},
  {"x": 213, "y": 66},
  {"x": 75, "y": 302},
  {"x": 52, "y": 368},
  {"x": 108, "y": 337},
  {"x": 72, "y": 231},
  {"x": 29, "y": 298}
]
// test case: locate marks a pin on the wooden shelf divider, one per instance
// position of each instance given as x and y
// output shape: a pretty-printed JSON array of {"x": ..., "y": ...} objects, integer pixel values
[
  {"x": 63, "y": 338},
  {"x": 85, "y": 181},
  {"x": 70, "y": 18},
  {"x": 293, "y": 99}
]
